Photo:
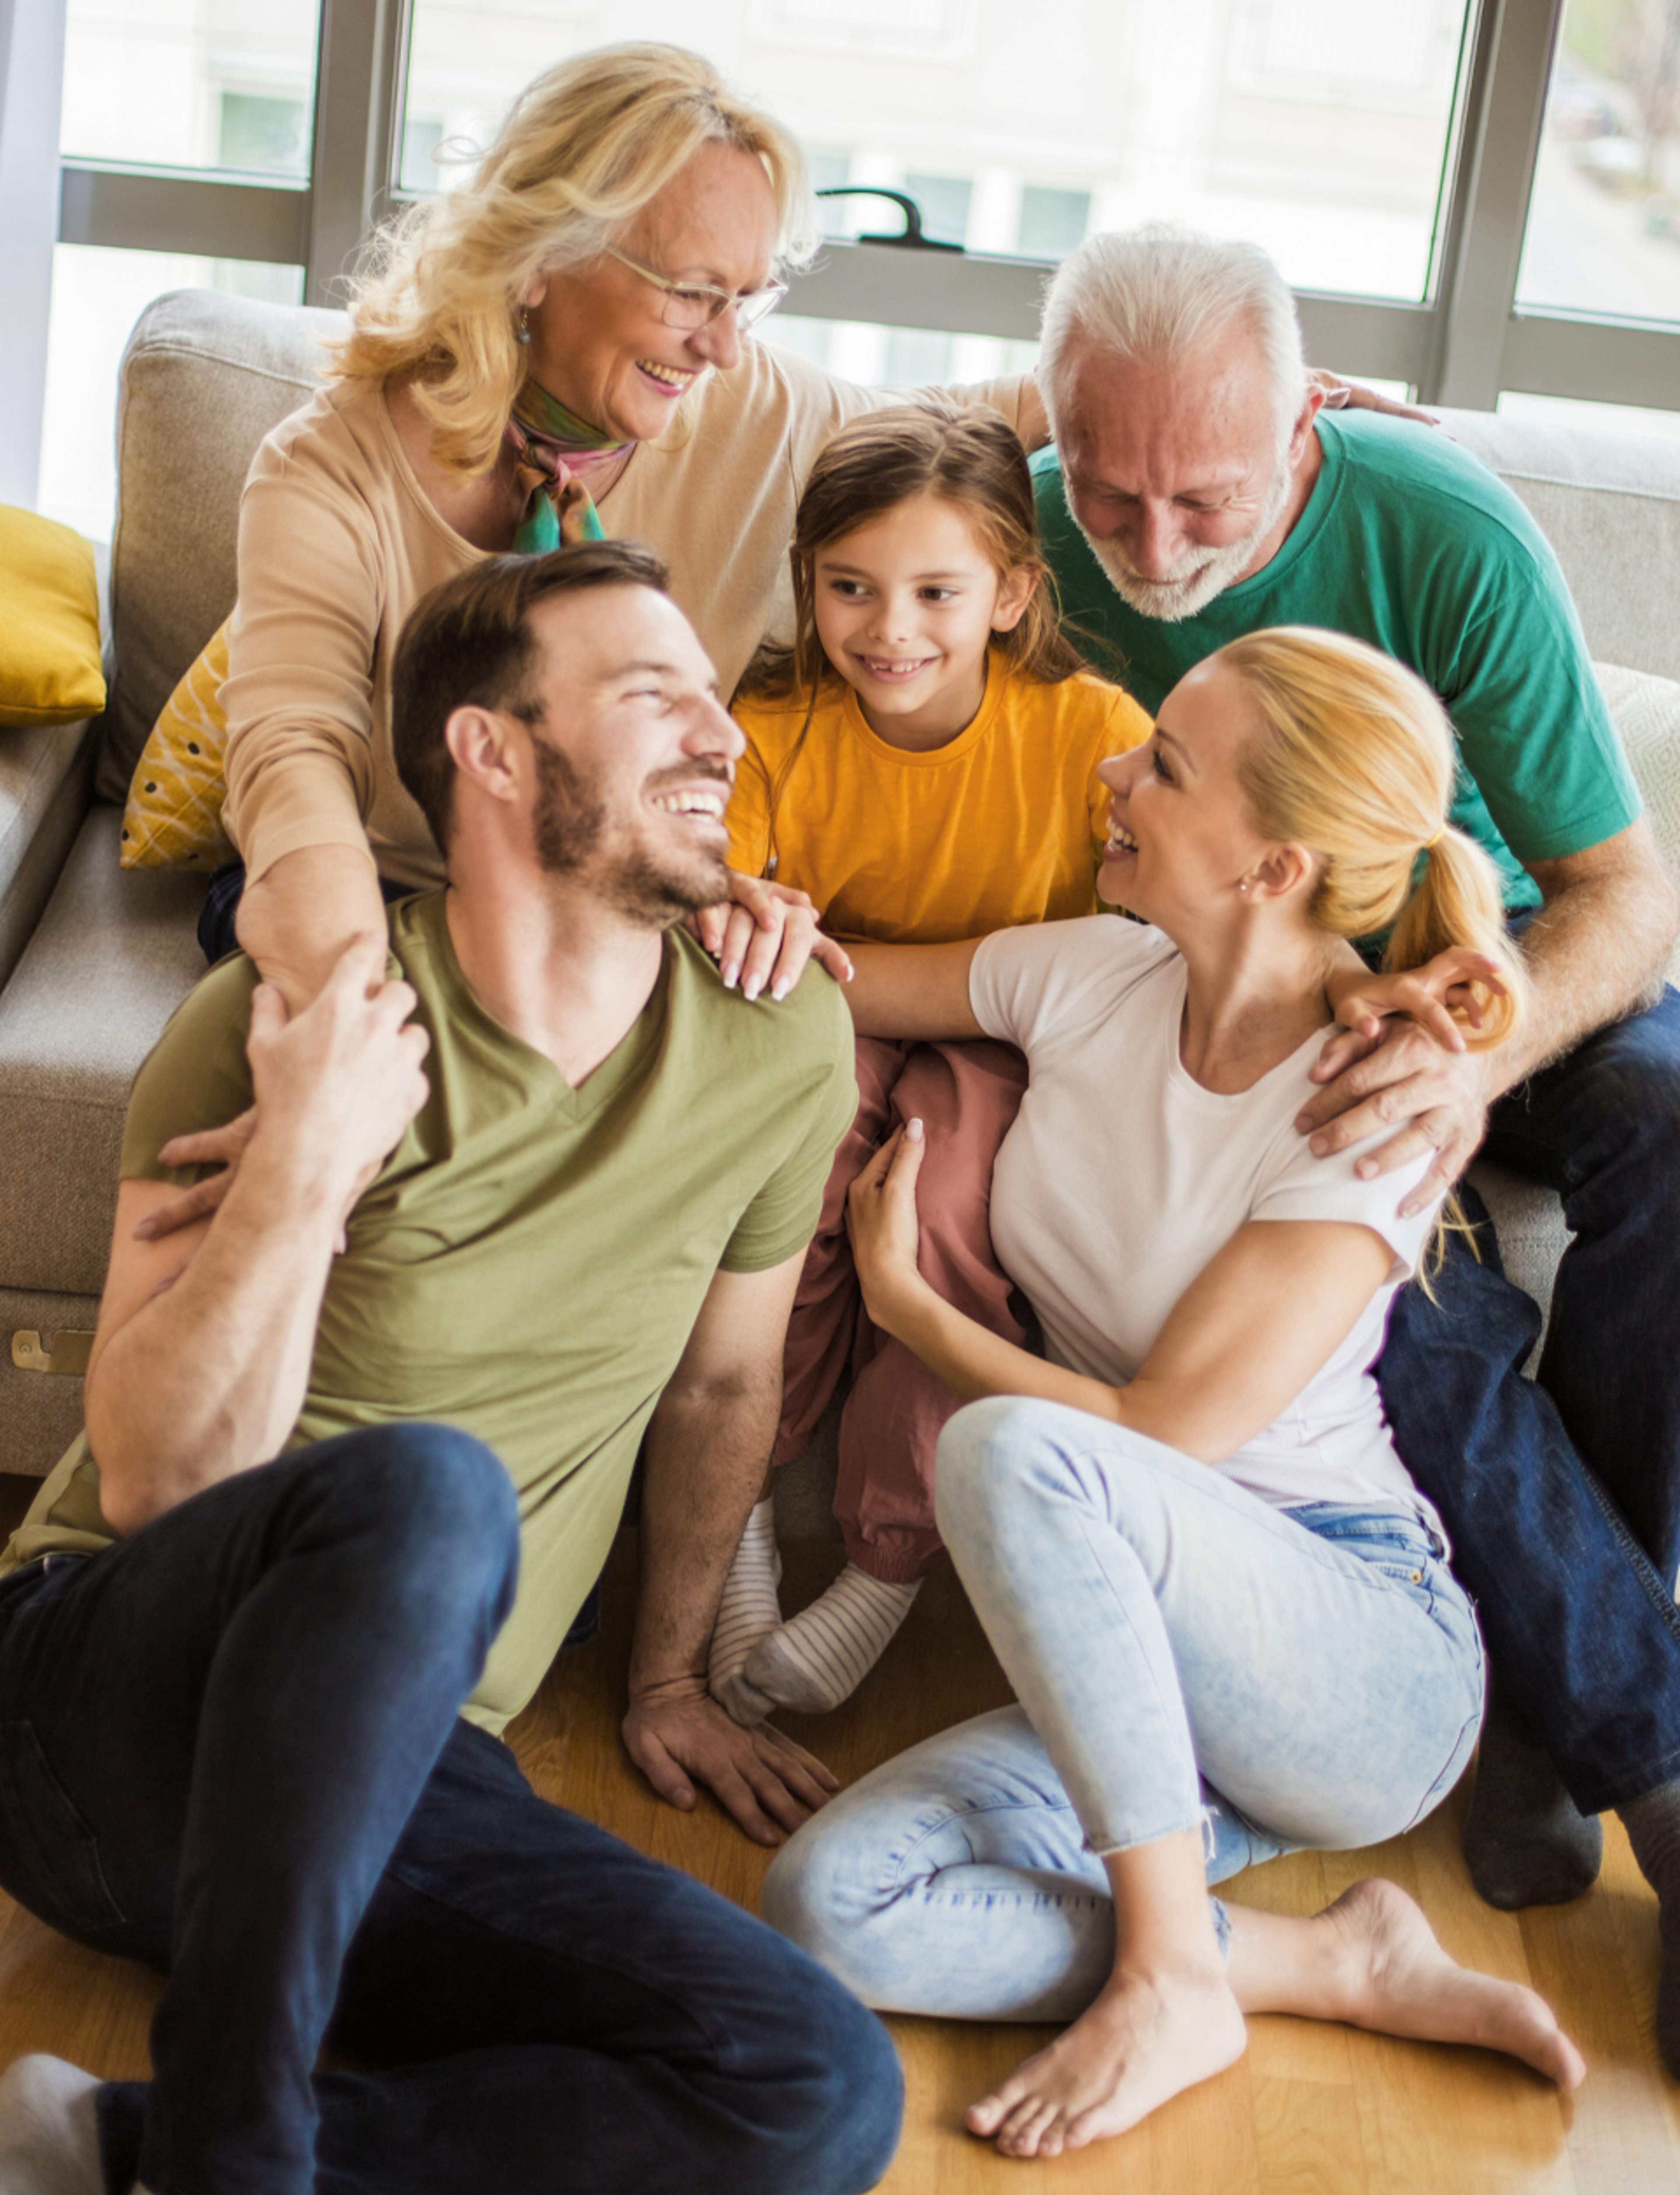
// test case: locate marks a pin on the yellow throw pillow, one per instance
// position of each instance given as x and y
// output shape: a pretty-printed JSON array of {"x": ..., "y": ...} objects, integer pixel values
[
  {"x": 50, "y": 667},
  {"x": 172, "y": 820}
]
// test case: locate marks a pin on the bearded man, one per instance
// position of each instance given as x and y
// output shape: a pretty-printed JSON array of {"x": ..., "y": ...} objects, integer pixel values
[
  {"x": 1198, "y": 492},
  {"x": 529, "y": 1194}
]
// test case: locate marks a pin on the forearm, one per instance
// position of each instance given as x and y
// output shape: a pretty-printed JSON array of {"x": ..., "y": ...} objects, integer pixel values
[
  {"x": 207, "y": 1378},
  {"x": 298, "y": 919},
  {"x": 973, "y": 1362},
  {"x": 913, "y": 991},
  {"x": 1594, "y": 954},
  {"x": 703, "y": 1466}
]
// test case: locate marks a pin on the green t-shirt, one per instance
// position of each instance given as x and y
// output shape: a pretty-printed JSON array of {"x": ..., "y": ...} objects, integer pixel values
[
  {"x": 530, "y": 1261},
  {"x": 1410, "y": 544}
]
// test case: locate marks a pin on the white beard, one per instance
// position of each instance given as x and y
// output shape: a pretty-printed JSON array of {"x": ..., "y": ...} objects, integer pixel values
[{"x": 1201, "y": 574}]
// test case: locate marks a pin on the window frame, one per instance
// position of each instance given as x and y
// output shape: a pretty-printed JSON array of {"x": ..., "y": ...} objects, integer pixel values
[{"x": 1462, "y": 347}]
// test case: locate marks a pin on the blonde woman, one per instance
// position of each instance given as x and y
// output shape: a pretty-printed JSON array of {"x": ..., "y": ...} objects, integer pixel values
[{"x": 1226, "y": 1610}]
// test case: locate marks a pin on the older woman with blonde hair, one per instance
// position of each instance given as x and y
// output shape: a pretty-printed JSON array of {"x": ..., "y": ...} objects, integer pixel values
[
  {"x": 556, "y": 346},
  {"x": 1227, "y": 1612}
]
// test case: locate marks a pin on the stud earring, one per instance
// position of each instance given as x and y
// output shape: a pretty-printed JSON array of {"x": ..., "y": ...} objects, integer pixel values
[
  {"x": 523, "y": 331},
  {"x": 1243, "y": 886}
]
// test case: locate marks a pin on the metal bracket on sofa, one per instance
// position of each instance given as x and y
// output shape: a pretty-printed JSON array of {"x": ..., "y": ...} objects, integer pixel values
[{"x": 67, "y": 1353}]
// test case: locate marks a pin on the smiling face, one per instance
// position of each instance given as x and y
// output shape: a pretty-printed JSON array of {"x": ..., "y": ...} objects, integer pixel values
[
  {"x": 1183, "y": 841},
  {"x": 1177, "y": 474},
  {"x": 634, "y": 755},
  {"x": 599, "y": 341},
  {"x": 905, "y": 608}
]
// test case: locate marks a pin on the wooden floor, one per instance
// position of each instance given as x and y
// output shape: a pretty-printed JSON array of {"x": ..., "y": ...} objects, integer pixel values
[{"x": 1310, "y": 2110}]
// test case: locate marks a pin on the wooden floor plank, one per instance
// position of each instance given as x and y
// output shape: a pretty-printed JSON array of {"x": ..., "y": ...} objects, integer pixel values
[{"x": 1311, "y": 2111}]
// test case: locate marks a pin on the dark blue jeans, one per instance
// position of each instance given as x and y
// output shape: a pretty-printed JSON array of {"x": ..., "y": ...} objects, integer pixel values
[
  {"x": 1562, "y": 1496},
  {"x": 231, "y": 1749}
]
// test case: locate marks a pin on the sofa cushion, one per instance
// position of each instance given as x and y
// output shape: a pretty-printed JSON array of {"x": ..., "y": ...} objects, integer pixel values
[
  {"x": 204, "y": 379},
  {"x": 1609, "y": 504},
  {"x": 114, "y": 954},
  {"x": 172, "y": 819},
  {"x": 1647, "y": 713}
]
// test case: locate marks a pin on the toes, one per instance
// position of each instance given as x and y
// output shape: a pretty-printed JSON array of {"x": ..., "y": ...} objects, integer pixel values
[
  {"x": 1027, "y": 2132},
  {"x": 985, "y": 2116}
]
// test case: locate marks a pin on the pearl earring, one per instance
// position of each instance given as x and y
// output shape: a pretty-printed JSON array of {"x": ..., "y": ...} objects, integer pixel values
[
  {"x": 522, "y": 331},
  {"x": 1243, "y": 886}
]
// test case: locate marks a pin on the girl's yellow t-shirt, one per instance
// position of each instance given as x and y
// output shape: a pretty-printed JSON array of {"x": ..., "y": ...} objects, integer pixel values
[{"x": 1004, "y": 825}]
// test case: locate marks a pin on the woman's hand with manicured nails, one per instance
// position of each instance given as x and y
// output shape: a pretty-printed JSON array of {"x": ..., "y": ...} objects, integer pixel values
[
  {"x": 881, "y": 1221},
  {"x": 763, "y": 934}
]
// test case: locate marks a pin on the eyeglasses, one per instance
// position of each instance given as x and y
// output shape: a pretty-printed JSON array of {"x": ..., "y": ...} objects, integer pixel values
[{"x": 698, "y": 304}]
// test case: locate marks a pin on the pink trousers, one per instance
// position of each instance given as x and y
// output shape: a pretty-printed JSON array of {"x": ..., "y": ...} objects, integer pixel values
[{"x": 967, "y": 1095}]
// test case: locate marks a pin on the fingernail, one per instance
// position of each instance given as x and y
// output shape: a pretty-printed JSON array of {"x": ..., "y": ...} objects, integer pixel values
[
  {"x": 913, "y": 1132},
  {"x": 1319, "y": 1146},
  {"x": 779, "y": 991},
  {"x": 753, "y": 986},
  {"x": 145, "y": 1230},
  {"x": 732, "y": 974},
  {"x": 1365, "y": 1169}
]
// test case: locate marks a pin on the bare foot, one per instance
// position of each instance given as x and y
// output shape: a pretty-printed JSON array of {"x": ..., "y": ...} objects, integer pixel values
[
  {"x": 1397, "y": 1980},
  {"x": 1144, "y": 2039}
]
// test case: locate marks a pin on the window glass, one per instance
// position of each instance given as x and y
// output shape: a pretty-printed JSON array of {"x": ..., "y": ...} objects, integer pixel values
[
  {"x": 1052, "y": 223},
  {"x": 1603, "y": 232},
  {"x": 1317, "y": 127},
  {"x": 1602, "y": 418},
  {"x": 876, "y": 357},
  {"x": 220, "y": 83},
  {"x": 98, "y": 294}
]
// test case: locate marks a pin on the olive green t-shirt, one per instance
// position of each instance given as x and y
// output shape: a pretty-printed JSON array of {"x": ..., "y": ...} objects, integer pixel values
[
  {"x": 1408, "y": 543},
  {"x": 529, "y": 1263}
]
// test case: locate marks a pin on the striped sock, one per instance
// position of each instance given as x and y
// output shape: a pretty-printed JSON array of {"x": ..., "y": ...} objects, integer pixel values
[
  {"x": 748, "y": 1612},
  {"x": 824, "y": 1654}
]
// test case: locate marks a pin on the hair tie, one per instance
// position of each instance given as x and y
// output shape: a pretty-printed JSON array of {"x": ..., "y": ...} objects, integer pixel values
[{"x": 1429, "y": 844}]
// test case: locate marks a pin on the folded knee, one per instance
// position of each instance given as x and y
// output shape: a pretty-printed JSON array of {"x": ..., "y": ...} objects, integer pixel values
[
  {"x": 831, "y": 2124},
  {"x": 995, "y": 1454},
  {"x": 811, "y": 1897},
  {"x": 435, "y": 1501}
]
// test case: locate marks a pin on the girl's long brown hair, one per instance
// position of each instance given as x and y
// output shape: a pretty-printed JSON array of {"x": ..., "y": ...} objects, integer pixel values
[{"x": 968, "y": 455}]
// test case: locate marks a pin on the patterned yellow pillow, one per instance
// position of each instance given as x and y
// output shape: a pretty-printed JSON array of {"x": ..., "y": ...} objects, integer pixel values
[{"x": 172, "y": 820}]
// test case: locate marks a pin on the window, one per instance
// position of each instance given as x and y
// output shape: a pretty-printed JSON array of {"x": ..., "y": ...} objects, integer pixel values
[
  {"x": 264, "y": 136},
  {"x": 229, "y": 85},
  {"x": 1382, "y": 150},
  {"x": 1052, "y": 223},
  {"x": 1604, "y": 224}
]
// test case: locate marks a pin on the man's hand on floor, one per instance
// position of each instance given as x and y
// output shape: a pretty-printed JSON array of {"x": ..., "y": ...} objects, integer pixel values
[{"x": 679, "y": 1738}]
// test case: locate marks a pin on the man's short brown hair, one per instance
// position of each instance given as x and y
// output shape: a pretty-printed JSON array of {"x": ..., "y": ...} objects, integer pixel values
[{"x": 469, "y": 644}]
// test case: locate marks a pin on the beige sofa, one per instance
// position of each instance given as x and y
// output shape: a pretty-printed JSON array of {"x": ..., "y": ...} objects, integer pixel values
[{"x": 93, "y": 959}]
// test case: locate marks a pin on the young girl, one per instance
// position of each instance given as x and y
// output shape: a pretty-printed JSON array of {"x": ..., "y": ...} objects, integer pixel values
[{"x": 923, "y": 762}]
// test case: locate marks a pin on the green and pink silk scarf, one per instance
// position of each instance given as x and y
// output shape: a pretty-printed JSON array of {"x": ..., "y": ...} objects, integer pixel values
[{"x": 557, "y": 453}]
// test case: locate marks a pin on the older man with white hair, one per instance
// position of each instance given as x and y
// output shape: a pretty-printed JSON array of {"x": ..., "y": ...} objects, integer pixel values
[{"x": 1198, "y": 491}]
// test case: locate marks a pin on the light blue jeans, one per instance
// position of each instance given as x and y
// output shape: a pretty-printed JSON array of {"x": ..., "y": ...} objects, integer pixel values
[{"x": 1185, "y": 1656}]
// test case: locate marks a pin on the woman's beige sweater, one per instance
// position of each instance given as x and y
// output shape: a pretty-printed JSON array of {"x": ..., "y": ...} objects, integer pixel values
[{"x": 338, "y": 543}]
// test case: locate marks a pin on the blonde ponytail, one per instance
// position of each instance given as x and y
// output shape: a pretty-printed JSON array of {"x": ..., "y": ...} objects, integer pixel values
[{"x": 1356, "y": 762}]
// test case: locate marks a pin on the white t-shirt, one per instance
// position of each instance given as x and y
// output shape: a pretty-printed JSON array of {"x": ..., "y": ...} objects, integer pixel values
[{"x": 1122, "y": 1178}]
